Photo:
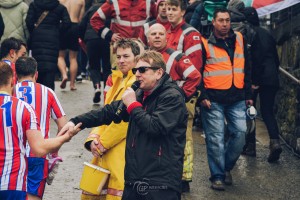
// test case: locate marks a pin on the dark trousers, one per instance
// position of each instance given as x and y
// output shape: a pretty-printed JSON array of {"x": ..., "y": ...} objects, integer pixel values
[
  {"x": 138, "y": 193},
  {"x": 47, "y": 79},
  {"x": 98, "y": 53},
  {"x": 267, "y": 96}
]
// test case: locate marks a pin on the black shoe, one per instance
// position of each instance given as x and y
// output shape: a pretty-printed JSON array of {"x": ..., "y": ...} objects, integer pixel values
[
  {"x": 249, "y": 150},
  {"x": 97, "y": 96},
  {"x": 185, "y": 186}
]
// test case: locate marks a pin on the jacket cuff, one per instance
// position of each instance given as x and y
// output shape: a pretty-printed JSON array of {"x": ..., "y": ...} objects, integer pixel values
[{"x": 133, "y": 106}]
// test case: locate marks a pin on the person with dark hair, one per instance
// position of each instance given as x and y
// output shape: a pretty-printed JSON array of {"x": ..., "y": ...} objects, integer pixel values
[
  {"x": 225, "y": 92},
  {"x": 265, "y": 82},
  {"x": 185, "y": 39},
  {"x": 112, "y": 149},
  {"x": 155, "y": 138},
  {"x": 45, "y": 36},
  {"x": 11, "y": 49},
  {"x": 38, "y": 96},
  {"x": 18, "y": 126}
]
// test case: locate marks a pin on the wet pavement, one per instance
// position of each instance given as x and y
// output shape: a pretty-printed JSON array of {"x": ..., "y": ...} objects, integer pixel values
[{"x": 253, "y": 178}]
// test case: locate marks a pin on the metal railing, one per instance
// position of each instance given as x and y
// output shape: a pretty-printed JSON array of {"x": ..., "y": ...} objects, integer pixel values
[{"x": 290, "y": 76}]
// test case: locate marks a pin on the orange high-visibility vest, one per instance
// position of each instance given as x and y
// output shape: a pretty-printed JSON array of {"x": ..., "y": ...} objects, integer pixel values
[{"x": 219, "y": 73}]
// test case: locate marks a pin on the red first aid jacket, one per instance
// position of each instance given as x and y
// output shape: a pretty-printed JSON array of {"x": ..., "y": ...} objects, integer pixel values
[{"x": 127, "y": 17}]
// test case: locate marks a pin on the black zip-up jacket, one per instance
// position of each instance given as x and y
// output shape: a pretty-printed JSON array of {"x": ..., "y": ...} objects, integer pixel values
[
  {"x": 232, "y": 94},
  {"x": 156, "y": 135}
]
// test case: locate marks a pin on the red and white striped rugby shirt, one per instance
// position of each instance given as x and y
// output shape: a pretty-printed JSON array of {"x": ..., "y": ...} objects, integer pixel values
[
  {"x": 16, "y": 117},
  {"x": 45, "y": 103}
]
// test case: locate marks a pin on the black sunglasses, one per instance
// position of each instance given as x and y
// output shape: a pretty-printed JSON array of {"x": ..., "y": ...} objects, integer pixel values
[{"x": 143, "y": 69}]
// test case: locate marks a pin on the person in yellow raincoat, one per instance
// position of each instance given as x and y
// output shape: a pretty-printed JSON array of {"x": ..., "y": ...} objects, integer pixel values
[{"x": 110, "y": 139}]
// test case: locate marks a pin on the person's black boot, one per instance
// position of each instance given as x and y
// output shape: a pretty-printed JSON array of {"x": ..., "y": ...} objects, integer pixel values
[
  {"x": 275, "y": 150},
  {"x": 249, "y": 149}
]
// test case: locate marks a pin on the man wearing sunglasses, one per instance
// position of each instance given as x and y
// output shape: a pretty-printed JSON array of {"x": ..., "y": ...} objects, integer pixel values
[{"x": 155, "y": 139}]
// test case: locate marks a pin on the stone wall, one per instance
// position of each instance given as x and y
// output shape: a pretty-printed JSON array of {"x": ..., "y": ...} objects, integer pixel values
[{"x": 287, "y": 107}]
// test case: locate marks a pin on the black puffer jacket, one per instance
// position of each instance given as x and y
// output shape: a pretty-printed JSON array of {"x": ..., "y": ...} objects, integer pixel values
[
  {"x": 45, "y": 38},
  {"x": 156, "y": 135},
  {"x": 190, "y": 11}
]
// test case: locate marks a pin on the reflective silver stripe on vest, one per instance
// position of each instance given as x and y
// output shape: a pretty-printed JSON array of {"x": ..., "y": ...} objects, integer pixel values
[
  {"x": 188, "y": 71},
  {"x": 118, "y": 20},
  {"x": 148, "y": 7},
  {"x": 239, "y": 40},
  {"x": 239, "y": 70},
  {"x": 217, "y": 73},
  {"x": 107, "y": 88},
  {"x": 171, "y": 60},
  {"x": 192, "y": 49},
  {"x": 237, "y": 55},
  {"x": 180, "y": 83},
  {"x": 128, "y": 23},
  {"x": 180, "y": 41},
  {"x": 104, "y": 32},
  {"x": 117, "y": 9},
  {"x": 146, "y": 29},
  {"x": 216, "y": 60},
  {"x": 101, "y": 14},
  {"x": 211, "y": 50}
]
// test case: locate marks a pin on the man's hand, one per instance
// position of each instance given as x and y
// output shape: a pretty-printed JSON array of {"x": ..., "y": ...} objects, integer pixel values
[
  {"x": 95, "y": 149},
  {"x": 249, "y": 102},
  {"x": 254, "y": 87},
  {"x": 72, "y": 131},
  {"x": 67, "y": 126},
  {"x": 206, "y": 103},
  {"x": 128, "y": 96},
  {"x": 115, "y": 37}
]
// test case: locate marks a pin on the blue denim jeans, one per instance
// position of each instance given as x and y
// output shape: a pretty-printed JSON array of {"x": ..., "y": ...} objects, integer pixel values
[{"x": 222, "y": 154}]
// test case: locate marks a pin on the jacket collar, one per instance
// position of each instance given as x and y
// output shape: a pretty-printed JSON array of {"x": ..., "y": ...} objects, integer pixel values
[{"x": 213, "y": 39}]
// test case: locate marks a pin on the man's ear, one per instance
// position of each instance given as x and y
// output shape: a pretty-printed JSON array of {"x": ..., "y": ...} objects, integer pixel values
[
  {"x": 36, "y": 75},
  {"x": 12, "y": 53}
]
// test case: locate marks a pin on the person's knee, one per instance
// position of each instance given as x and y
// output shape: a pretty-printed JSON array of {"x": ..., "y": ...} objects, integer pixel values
[{"x": 33, "y": 197}]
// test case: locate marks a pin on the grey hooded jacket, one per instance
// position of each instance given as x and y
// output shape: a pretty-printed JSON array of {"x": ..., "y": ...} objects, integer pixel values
[{"x": 14, "y": 13}]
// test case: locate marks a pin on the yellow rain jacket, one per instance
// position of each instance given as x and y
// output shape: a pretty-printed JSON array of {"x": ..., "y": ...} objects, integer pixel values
[{"x": 113, "y": 138}]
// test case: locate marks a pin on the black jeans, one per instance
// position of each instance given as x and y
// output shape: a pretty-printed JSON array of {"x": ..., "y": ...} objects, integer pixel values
[
  {"x": 267, "y": 96},
  {"x": 137, "y": 193},
  {"x": 98, "y": 52}
]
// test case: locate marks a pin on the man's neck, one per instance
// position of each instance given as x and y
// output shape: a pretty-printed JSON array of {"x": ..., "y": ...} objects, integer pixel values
[
  {"x": 164, "y": 20},
  {"x": 6, "y": 90},
  {"x": 176, "y": 24},
  {"x": 26, "y": 78},
  {"x": 7, "y": 58}
]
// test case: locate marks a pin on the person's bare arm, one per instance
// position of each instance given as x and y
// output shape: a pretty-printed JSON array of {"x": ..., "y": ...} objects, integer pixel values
[
  {"x": 41, "y": 146},
  {"x": 60, "y": 122}
]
